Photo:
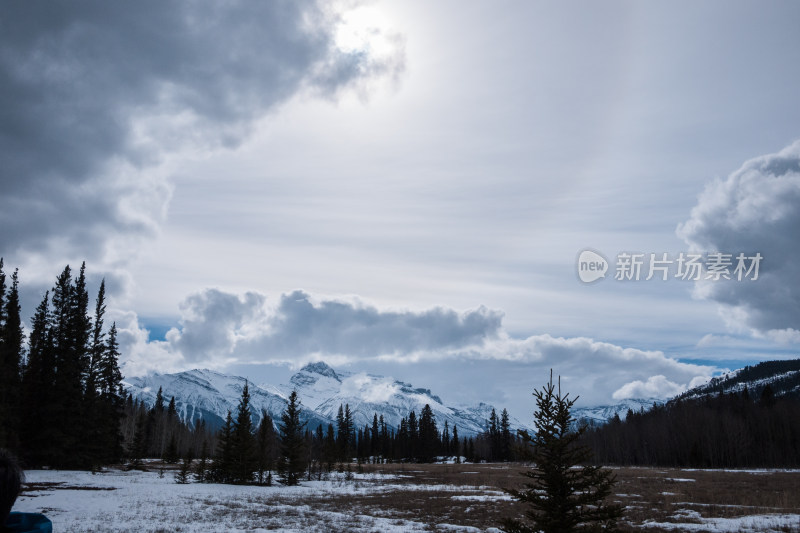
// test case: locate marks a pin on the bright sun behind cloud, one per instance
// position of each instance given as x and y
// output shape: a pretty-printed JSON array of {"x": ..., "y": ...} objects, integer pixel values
[{"x": 365, "y": 28}]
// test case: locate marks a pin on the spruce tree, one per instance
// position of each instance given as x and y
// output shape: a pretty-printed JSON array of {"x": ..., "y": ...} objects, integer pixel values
[
  {"x": 11, "y": 350},
  {"x": 39, "y": 409},
  {"x": 243, "y": 456},
  {"x": 428, "y": 435},
  {"x": 111, "y": 398},
  {"x": 182, "y": 476},
  {"x": 171, "y": 455},
  {"x": 564, "y": 494},
  {"x": 266, "y": 444},
  {"x": 505, "y": 437},
  {"x": 221, "y": 469},
  {"x": 158, "y": 405},
  {"x": 455, "y": 446},
  {"x": 201, "y": 472},
  {"x": 138, "y": 448},
  {"x": 291, "y": 464}
]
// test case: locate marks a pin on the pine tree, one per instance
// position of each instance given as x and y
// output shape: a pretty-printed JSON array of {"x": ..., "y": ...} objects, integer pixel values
[
  {"x": 39, "y": 402},
  {"x": 111, "y": 397},
  {"x": 11, "y": 350},
  {"x": 329, "y": 452},
  {"x": 266, "y": 444},
  {"x": 158, "y": 405},
  {"x": 243, "y": 456},
  {"x": 201, "y": 472},
  {"x": 182, "y": 476},
  {"x": 505, "y": 437},
  {"x": 221, "y": 470},
  {"x": 172, "y": 410},
  {"x": 292, "y": 460},
  {"x": 455, "y": 444},
  {"x": 139, "y": 445},
  {"x": 428, "y": 435},
  {"x": 413, "y": 436},
  {"x": 564, "y": 494},
  {"x": 171, "y": 455}
]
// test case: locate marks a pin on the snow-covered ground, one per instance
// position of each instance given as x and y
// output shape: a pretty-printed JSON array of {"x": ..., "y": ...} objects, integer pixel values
[
  {"x": 395, "y": 500},
  {"x": 118, "y": 501}
]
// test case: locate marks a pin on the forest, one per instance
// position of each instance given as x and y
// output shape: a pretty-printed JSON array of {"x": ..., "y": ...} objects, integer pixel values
[{"x": 715, "y": 430}]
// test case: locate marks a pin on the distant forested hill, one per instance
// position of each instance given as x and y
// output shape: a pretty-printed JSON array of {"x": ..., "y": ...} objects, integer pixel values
[{"x": 748, "y": 418}]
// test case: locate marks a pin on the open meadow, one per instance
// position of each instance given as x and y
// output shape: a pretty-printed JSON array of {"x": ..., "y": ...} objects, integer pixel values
[{"x": 401, "y": 497}]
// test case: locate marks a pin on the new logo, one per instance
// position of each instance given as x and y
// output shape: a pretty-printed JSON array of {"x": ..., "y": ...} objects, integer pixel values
[{"x": 591, "y": 266}]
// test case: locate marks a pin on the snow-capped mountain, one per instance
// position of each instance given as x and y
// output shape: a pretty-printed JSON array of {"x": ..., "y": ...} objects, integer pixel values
[
  {"x": 321, "y": 388},
  {"x": 210, "y": 395},
  {"x": 603, "y": 413}
]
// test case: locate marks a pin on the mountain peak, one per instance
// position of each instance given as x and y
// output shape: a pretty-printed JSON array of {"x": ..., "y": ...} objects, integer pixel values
[{"x": 320, "y": 368}]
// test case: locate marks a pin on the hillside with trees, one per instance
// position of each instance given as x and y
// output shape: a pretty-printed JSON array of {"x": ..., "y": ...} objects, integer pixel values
[{"x": 750, "y": 418}]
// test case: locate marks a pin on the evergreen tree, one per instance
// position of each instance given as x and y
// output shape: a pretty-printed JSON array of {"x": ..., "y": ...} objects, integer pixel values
[
  {"x": 505, "y": 437},
  {"x": 139, "y": 445},
  {"x": 38, "y": 408},
  {"x": 172, "y": 410},
  {"x": 455, "y": 448},
  {"x": 266, "y": 444},
  {"x": 222, "y": 469},
  {"x": 243, "y": 456},
  {"x": 111, "y": 398},
  {"x": 428, "y": 435},
  {"x": 171, "y": 455},
  {"x": 182, "y": 476},
  {"x": 291, "y": 463},
  {"x": 158, "y": 406},
  {"x": 564, "y": 494},
  {"x": 375, "y": 433},
  {"x": 413, "y": 436},
  {"x": 201, "y": 472},
  {"x": 329, "y": 452},
  {"x": 11, "y": 350}
]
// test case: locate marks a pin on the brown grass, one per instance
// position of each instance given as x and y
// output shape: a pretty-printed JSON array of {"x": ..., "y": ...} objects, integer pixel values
[{"x": 647, "y": 493}]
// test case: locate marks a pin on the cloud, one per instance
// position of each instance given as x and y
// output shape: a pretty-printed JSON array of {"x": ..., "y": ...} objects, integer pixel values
[
  {"x": 301, "y": 326},
  {"x": 217, "y": 325},
  {"x": 219, "y": 329},
  {"x": 214, "y": 322},
  {"x": 99, "y": 94},
  {"x": 754, "y": 210},
  {"x": 654, "y": 387}
]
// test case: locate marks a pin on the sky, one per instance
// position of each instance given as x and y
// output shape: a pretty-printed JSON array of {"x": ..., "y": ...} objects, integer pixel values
[{"x": 405, "y": 188}]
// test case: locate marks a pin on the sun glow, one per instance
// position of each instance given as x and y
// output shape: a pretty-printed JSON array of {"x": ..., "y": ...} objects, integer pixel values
[{"x": 365, "y": 28}]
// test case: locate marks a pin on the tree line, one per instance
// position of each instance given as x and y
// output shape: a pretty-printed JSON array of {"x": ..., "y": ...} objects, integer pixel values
[
  {"x": 243, "y": 452},
  {"x": 725, "y": 430},
  {"x": 60, "y": 392}
]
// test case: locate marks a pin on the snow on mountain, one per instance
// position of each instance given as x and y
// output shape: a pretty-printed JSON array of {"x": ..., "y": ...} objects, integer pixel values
[
  {"x": 783, "y": 377},
  {"x": 321, "y": 388},
  {"x": 603, "y": 413},
  {"x": 209, "y": 395}
]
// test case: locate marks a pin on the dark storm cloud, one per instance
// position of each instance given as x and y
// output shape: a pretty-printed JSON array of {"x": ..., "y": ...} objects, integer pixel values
[
  {"x": 755, "y": 209},
  {"x": 95, "y": 91}
]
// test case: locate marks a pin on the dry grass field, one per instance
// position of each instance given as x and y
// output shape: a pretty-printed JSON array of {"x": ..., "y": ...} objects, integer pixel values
[{"x": 650, "y": 496}]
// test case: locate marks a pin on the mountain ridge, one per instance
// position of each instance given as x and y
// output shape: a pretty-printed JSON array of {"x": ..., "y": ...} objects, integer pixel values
[{"x": 208, "y": 395}]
